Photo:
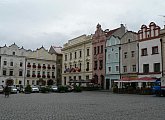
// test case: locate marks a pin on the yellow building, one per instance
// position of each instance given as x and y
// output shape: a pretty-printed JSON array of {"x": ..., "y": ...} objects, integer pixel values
[{"x": 77, "y": 60}]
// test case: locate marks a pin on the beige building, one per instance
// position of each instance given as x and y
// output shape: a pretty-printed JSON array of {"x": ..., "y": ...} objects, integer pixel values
[
  {"x": 40, "y": 64},
  {"x": 129, "y": 55},
  {"x": 162, "y": 39},
  {"x": 57, "y": 51},
  {"x": 77, "y": 60}
]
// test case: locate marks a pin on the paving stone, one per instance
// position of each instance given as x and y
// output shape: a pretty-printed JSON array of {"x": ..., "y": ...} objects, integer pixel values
[{"x": 90, "y": 105}]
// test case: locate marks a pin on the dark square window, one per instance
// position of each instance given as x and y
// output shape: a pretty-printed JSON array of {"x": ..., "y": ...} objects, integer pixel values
[
  {"x": 20, "y": 73},
  {"x": 11, "y": 63},
  {"x": 155, "y": 50},
  {"x": 156, "y": 67},
  {"x": 145, "y": 68},
  {"x": 11, "y": 73},
  {"x": 4, "y": 72},
  {"x": 5, "y": 62},
  {"x": 125, "y": 68},
  {"x": 125, "y": 54},
  {"x": 144, "y": 52}
]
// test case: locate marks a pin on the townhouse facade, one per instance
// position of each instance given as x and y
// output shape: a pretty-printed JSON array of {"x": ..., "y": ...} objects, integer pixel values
[
  {"x": 22, "y": 67},
  {"x": 57, "y": 51},
  {"x": 112, "y": 61},
  {"x": 40, "y": 65},
  {"x": 150, "y": 62},
  {"x": 12, "y": 65},
  {"x": 129, "y": 55},
  {"x": 77, "y": 60},
  {"x": 162, "y": 40}
]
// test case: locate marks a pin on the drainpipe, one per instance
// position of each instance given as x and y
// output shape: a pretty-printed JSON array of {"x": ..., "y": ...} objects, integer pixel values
[
  {"x": 25, "y": 71},
  {"x": 119, "y": 61},
  {"x": 162, "y": 56}
]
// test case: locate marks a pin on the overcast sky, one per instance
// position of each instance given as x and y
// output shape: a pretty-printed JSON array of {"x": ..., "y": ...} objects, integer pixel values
[{"x": 33, "y": 23}]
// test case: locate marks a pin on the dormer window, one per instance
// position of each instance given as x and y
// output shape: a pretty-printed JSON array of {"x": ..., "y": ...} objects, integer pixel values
[
  {"x": 13, "y": 53},
  {"x": 129, "y": 40}
]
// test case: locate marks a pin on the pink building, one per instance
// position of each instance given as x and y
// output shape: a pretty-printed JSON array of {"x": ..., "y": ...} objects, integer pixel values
[{"x": 98, "y": 49}]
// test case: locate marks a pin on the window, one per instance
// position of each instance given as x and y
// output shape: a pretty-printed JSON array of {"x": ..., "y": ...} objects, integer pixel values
[
  {"x": 65, "y": 57},
  {"x": 80, "y": 54},
  {"x": 52, "y": 73},
  {"x": 74, "y": 77},
  {"x": 145, "y": 68},
  {"x": 28, "y": 82},
  {"x": 20, "y": 73},
  {"x": 87, "y": 52},
  {"x": 75, "y": 65},
  {"x": 75, "y": 55},
  {"x": 144, "y": 52},
  {"x": 38, "y": 73},
  {"x": 156, "y": 67},
  {"x": 98, "y": 49},
  {"x": 21, "y": 64},
  {"x": 70, "y": 56},
  {"x": 129, "y": 40},
  {"x": 43, "y": 73},
  {"x": 117, "y": 68},
  {"x": 109, "y": 68},
  {"x": 132, "y": 53},
  {"x": 116, "y": 55},
  {"x": 87, "y": 66},
  {"x": 5, "y": 62},
  {"x": 64, "y": 80},
  {"x": 79, "y": 77},
  {"x": 101, "y": 64},
  {"x": 94, "y": 50},
  {"x": 11, "y": 73},
  {"x": 87, "y": 77},
  {"x": 33, "y": 82},
  {"x": 70, "y": 78},
  {"x": 11, "y": 63},
  {"x": 13, "y": 53},
  {"x": 125, "y": 54},
  {"x": 134, "y": 68},
  {"x": 109, "y": 56},
  {"x": 70, "y": 66},
  {"x": 95, "y": 65},
  {"x": 101, "y": 48},
  {"x": 4, "y": 72},
  {"x": 80, "y": 66},
  {"x": 125, "y": 68},
  {"x": 155, "y": 50},
  {"x": 28, "y": 72}
]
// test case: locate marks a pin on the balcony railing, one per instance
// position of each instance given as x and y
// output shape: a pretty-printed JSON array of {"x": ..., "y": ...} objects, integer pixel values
[
  {"x": 28, "y": 65},
  {"x": 38, "y": 76},
  {"x": 33, "y": 75}
]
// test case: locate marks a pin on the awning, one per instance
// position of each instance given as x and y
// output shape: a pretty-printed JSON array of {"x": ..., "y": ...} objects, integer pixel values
[{"x": 143, "y": 79}]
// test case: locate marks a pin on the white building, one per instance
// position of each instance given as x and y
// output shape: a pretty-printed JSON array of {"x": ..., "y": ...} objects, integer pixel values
[
  {"x": 12, "y": 64},
  {"x": 150, "y": 64},
  {"x": 77, "y": 59},
  {"x": 24, "y": 67}
]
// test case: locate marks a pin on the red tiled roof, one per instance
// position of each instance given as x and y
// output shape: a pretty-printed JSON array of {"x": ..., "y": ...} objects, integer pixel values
[{"x": 111, "y": 32}]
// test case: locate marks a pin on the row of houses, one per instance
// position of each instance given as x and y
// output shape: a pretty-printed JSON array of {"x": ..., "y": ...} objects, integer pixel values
[
  {"x": 100, "y": 58},
  {"x": 110, "y": 55},
  {"x": 21, "y": 67}
]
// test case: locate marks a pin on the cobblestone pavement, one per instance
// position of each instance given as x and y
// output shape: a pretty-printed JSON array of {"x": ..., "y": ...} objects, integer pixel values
[{"x": 81, "y": 106}]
